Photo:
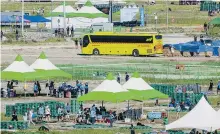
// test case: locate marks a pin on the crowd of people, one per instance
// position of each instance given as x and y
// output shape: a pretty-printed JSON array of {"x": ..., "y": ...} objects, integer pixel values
[
  {"x": 44, "y": 112},
  {"x": 93, "y": 114}
]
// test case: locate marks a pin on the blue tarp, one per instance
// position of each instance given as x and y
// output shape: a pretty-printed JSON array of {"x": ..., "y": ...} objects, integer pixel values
[
  {"x": 36, "y": 18},
  {"x": 5, "y": 19},
  {"x": 194, "y": 46},
  {"x": 12, "y": 19}
]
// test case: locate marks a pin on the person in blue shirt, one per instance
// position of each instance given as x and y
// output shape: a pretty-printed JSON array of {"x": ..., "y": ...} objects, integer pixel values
[
  {"x": 81, "y": 88},
  {"x": 35, "y": 89},
  {"x": 86, "y": 88},
  {"x": 111, "y": 118},
  {"x": 126, "y": 76},
  {"x": 218, "y": 87},
  {"x": 41, "y": 112},
  {"x": 93, "y": 114}
]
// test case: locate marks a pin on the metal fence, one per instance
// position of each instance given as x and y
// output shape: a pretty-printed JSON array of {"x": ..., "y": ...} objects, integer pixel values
[{"x": 150, "y": 71}]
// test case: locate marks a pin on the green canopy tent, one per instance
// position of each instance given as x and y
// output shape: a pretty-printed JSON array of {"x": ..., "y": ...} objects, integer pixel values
[
  {"x": 109, "y": 90},
  {"x": 215, "y": 21},
  {"x": 214, "y": 27},
  {"x": 141, "y": 89},
  {"x": 87, "y": 11},
  {"x": 44, "y": 66},
  {"x": 19, "y": 70}
]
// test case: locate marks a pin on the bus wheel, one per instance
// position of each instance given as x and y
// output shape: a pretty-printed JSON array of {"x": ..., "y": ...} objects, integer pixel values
[
  {"x": 95, "y": 52},
  {"x": 135, "y": 53}
]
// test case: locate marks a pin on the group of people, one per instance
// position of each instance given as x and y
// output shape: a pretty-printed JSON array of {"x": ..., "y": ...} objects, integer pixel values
[
  {"x": 82, "y": 89},
  {"x": 91, "y": 115},
  {"x": 11, "y": 92},
  {"x": 119, "y": 77},
  {"x": 39, "y": 11},
  {"x": 60, "y": 32}
]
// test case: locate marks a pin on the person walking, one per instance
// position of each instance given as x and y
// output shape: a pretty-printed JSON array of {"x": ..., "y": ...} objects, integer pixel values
[
  {"x": 205, "y": 27},
  {"x": 126, "y": 76},
  {"x": 86, "y": 88},
  {"x": 111, "y": 118},
  {"x": 72, "y": 31},
  {"x": 80, "y": 42},
  {"x": 40, "y": 113},
  {"x": 47, "y": 113},
  {"x": 218, "y": 87},
  {"x": 14, "y": 116},
  {"x": 211, "y": 85},
  {"x": 39, "y": 88},
  {"x": 81, "y": 89},
  {"x": 119, "y": 78},
  {"x": 93, "y": 114},
  {"x": 1, "y": 35},
  {"x": 16, "y": 34},
  {"x": 67, "y": 30},
  {"x": 35, "y": 89},
  {"x": 30, "y": 117},
  {"x": 76, "y": 43}
]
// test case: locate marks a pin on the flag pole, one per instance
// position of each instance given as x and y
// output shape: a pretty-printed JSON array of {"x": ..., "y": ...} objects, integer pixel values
[
  {"x": 22, "y": 18},
  {"x": 64, "y": 16}
]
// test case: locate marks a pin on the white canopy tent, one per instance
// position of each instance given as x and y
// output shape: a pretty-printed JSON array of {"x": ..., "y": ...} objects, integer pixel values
[
  {"x": 200, "y": 117},
  {"x": 68, "y": 9},
  {"x": 77, "y": 22},
  {"x": 98, "y": 2},
  {"x": 216, "y": 123},
  {"x": 137, "y": 84},
  {"x": 89, "y": 9}
]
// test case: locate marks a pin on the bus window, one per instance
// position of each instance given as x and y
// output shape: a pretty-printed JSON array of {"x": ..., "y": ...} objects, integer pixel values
[
  {"x": 122, "y": 39},
  {"x": 85, "y": 41},
  {"x": 158, "y": 37}
]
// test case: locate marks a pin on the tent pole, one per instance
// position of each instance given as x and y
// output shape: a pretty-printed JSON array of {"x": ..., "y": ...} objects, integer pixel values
[
  {"x": 25, "y": 88},
  {"x": 128, "y": 105},
  {"x": 102, "y": 103}
]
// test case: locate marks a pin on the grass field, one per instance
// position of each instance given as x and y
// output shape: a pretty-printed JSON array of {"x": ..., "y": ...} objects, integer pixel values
[
  {"x": 152, "y": 71},
  {"x": 190, "y": 15}
]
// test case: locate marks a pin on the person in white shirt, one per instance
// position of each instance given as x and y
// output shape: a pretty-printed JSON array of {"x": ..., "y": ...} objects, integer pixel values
[
  {"x": 30, "y": 116},
  {"x": 47, "y": 112}
]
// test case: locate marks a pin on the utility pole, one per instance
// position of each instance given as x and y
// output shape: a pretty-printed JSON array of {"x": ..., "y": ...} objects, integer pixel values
[
  {"x": 64, "y": 16},
  {"x": 110, "y": 11},
  {"x": 167, "y": 16},
  {"x": 51, "y": 9},
  {"x": 22, "y": 18}
]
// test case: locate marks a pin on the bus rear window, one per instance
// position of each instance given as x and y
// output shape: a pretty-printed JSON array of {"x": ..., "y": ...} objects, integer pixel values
[{"x": 158, "y": 37}]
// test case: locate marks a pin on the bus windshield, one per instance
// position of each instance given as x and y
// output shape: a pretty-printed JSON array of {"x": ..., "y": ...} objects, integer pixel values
[{"x": 85, "y": 41}]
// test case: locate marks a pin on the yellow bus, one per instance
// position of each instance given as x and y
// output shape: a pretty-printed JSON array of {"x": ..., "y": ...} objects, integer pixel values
[{"x": 109, "y": 43}]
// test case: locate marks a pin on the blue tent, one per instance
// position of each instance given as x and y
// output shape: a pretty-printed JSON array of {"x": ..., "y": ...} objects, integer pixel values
[
  {"x": 5, "y": 19},
  {"x": 36, "y": 18}
]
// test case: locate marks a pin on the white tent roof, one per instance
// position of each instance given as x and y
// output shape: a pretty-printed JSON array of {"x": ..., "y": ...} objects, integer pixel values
[
  {"x": 97, "y": 2},
  {"x": 110, "y": 86},
  {"x": 88, "y": 9},
  {"x": 137, "y": 84},
  {"x": 200, "y": 117},
  {"x": 44, "y": 64},
  {"x": 68, "y": 9},
  {"x": 216, "y": 122},
  {"x": 19, "y": 66}
]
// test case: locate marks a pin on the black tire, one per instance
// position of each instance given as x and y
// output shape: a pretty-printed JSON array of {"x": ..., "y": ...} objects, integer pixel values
[
  {"x": 135, "y": 53},
  {"x": 191, "y": 54},
  {"x": 95, "y": 51}
]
